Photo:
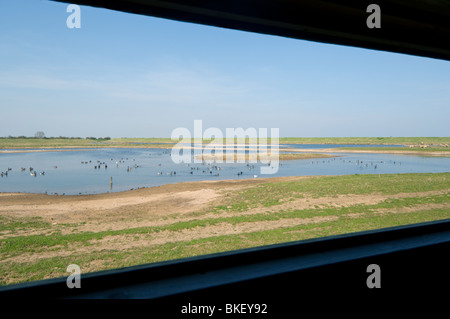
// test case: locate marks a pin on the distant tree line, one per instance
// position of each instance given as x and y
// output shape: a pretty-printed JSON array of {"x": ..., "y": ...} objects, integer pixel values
[
  {"x": 45, "y": 137},
  {"x": 99, "y": 138},
  {"x": 40, "y": 136}
]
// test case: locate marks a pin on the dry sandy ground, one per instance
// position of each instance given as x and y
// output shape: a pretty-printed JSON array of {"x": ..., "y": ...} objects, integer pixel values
[
  {"x": 209, "y": 147},
  {"x": 152, "y": 203},
  {"x": 164, "y": 205}
]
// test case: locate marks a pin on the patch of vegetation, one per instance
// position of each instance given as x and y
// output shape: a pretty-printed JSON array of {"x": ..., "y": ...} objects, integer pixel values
[
  {"x": 366, "y": 140},
  {"x": 270, "y": 194},
  {"x": 12, "y": 142},
  {"x": 402, "y": 149},
  {"x": 12, "y": 272},
  {"x": 12, "y": 225},
  {"x": 17, "y": 245},
  {"x": 419, "y": 207}
]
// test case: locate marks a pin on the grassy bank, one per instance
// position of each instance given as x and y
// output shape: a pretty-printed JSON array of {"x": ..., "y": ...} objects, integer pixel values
[
  {"x": 312, "y": 140},
  {"x": 32, "y": 143},
  {"x": 366, "y": 140},
  {"x": 20, "y": 143},
  {"x": 254, "y": 215},
  {"x": 9, "y": 143},
  {"x": 399, "y": 149}
]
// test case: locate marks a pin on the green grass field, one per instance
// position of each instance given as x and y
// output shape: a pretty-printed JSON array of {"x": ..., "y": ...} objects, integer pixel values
[
  {"x": 11, "y": 143},
  {"x": 265, "y": 213},
  {"x": 32, "y": 143},
  {"x": 366, "y": 140},
  {"x": 401, "y": 149}
]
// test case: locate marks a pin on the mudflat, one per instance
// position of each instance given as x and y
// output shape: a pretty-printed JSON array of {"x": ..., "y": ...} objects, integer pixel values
[{"x": 111, "y": 230}]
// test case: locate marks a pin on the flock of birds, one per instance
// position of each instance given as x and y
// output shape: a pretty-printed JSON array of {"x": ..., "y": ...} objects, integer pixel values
[
  {"x": 5, "y": 173},
  {"x": 205, "y": 168},
  {"x": 360, "y": 163},
  {"x": 23, "y": 169},
  {"x": 212, "y": 170}
]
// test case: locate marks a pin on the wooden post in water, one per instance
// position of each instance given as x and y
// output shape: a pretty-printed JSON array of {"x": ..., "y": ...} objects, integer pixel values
[{"x": 110, "y": 182}]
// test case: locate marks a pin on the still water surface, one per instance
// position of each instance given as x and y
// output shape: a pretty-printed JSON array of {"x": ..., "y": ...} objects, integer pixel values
[{"x": 74, "y": 172}]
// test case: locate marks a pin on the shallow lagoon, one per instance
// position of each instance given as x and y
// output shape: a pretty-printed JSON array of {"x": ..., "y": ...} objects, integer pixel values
[{"x": 73, "y": 172}]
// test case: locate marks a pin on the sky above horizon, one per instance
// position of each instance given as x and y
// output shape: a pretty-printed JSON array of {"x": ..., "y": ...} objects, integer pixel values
[{"x": 125, "y": 75}]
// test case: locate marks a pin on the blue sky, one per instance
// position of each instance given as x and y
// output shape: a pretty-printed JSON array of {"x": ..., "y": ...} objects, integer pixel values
[{"x": 124, "y": 75}]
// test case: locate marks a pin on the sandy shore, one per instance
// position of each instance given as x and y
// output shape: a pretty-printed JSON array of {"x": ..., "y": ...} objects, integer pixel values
[
  {"x": 162, "y": 206},
  {"x": 318, "y": 152},
  {"x": 334, "y": 150},
  {"x": 128, "y": 209},
  {"x": 121, "y": 221},
  {"x": 113, "y": 210}
]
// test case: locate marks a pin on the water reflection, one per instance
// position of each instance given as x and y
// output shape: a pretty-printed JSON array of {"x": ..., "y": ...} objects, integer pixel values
[{"x": 112, "y": 170}]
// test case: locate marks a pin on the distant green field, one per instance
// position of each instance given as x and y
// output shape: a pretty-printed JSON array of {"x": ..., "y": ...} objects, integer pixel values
[
  {"x": 365, "y": 140},
  {"x": 127, "y": 140},
  {"x": 407, "y": 149},
  {"x": 31, "y": 143},
  {"x": 12, "y": 143}
]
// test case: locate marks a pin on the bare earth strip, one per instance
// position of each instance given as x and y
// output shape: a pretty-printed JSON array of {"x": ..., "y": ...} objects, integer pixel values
[
  {"x": 165, "y": 206},
  {"x": 127, "y": 242},
  {"x": 160, "y": 206},
  {"x": 124, "y": 210},
  {"x": 223, "y": 149},
  {"x": 335, "y": 150}
]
